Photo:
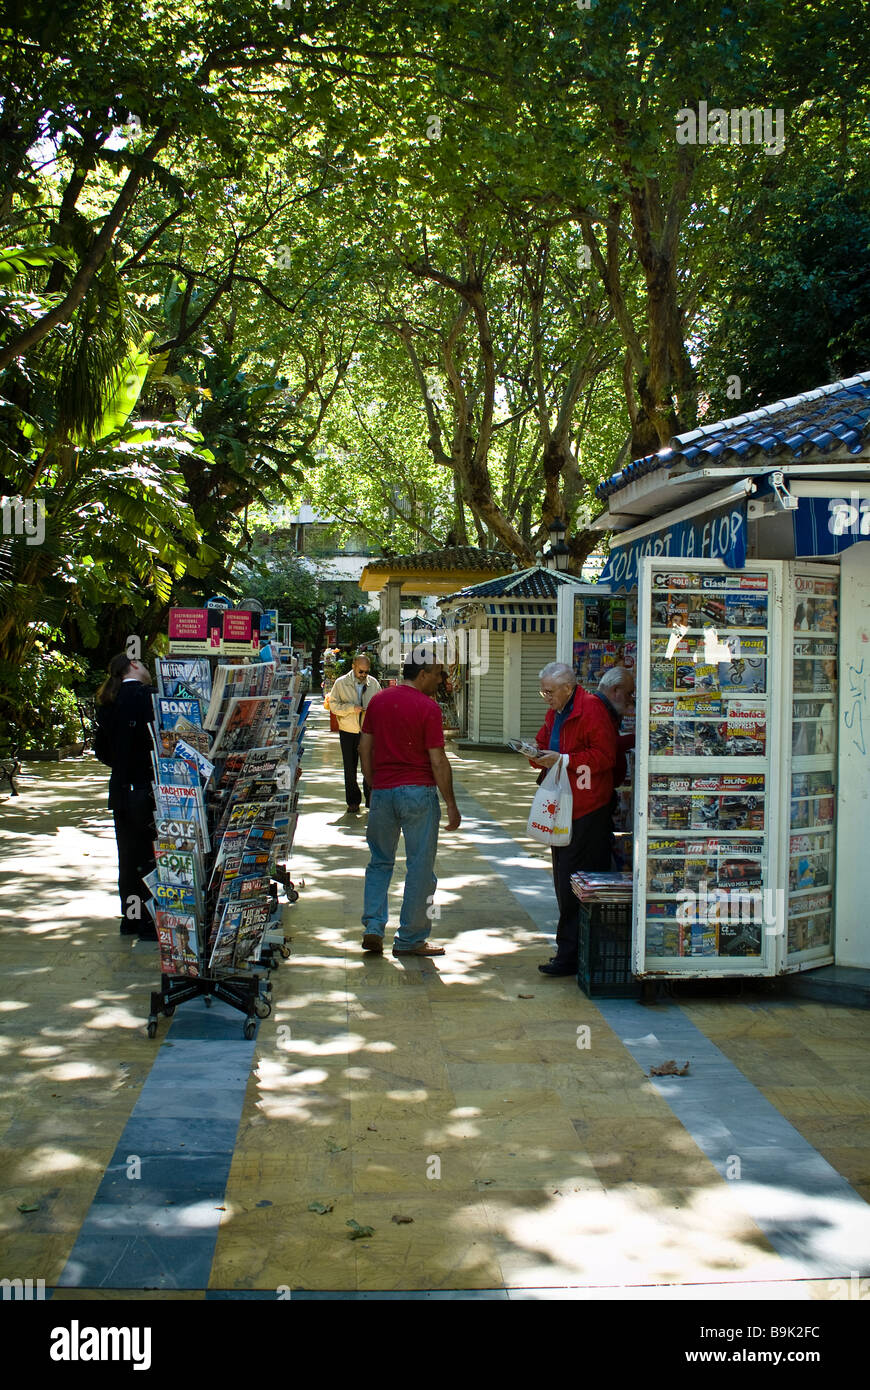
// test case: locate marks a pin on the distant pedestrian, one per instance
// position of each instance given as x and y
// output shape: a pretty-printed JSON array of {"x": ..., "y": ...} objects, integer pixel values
[
  {"x": 348, "y": 700},
  {"x": 403, "y": 758},
  {"x": 123, "y": 743}
]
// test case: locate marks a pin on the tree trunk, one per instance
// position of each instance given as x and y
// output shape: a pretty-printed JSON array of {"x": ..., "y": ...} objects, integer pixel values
[{"x": 81, "y": 281}]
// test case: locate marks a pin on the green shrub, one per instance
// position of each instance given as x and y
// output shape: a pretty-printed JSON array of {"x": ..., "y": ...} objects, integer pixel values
[{"x": 38, "y": 702}]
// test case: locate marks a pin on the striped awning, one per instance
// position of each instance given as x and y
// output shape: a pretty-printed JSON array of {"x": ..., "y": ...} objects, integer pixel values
[{"x": 520, "y": 617}]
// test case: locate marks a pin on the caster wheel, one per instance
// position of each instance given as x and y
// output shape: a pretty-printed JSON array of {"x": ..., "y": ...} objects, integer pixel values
[
  {"x": 292, "y": 896},
  {"x": 262, "y": 1008},
  {"x": 152, "y": 1027},
  {"x": 207, "y": 998},
  {"x": 250, "y": 1027},
  {"x": 285, "y": 952}
]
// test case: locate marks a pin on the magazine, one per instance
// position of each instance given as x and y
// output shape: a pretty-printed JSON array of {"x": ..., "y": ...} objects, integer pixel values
[
  {"x": 237, "y": 682},
  {"x": 183, "y": 844},
  {"x": 743, "y": 673},
  {"x": 245, "y": 791},
  {"x": 178, "y": 832},
  {"x": 177, "y": 866},
  {"x": 176, "y": 719},
  {"x": 197, "y": 760},
  {"x": 746, "y": 610},
  {"x": 247, "y": 838},
  {"x": 175, "y": 898},
  {"x": 246, "y": 718},
  {"x": 175, "y": 772},
  {"x": 747, "y": 726},
  {"x": 187, "y": 677},
  {"x": 239, "y": 937},
  {"x": 177, "y": 938},
  {"x": 661, "y": 675},
  {"x": 168, "y": 712}
]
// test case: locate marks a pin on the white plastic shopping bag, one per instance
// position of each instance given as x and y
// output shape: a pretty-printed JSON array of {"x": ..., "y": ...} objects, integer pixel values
[{"x": 553, "y": 807}]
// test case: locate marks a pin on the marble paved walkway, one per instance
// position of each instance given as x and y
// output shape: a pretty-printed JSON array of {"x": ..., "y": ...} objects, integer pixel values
[{"x": 497, "y": 1131}]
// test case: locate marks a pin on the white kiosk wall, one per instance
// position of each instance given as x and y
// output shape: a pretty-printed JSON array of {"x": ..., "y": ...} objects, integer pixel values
[{"x": 852, "y": 941}]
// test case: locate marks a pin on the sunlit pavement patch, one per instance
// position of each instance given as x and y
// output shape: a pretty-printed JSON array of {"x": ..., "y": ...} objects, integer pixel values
[{"x": 811, "y": 1215}]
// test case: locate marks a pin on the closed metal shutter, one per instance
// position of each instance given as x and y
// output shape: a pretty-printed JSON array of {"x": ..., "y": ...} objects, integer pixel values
[
  {"x": 491, "y": 689},
  {"x": 538, "y": 649},
  {"x": 471, "y": 691}
]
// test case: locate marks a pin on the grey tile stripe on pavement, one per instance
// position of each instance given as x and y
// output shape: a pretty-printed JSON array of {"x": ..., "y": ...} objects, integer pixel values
[
  {"x": 158, "y": 1230},
  {"x": 811, "y": 1215}
]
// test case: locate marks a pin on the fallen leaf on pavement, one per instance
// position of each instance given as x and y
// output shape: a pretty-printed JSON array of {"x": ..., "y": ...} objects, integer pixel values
[
  {"x": 358, "y": 1232},
  {"x": 403, "y": 1220},
  {"x": 669, "y": 1069},
  {"x": 320, "y": 1207}
]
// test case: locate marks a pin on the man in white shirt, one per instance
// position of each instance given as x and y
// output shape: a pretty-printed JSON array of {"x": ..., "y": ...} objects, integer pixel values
[{"x": 348, "y": 699}]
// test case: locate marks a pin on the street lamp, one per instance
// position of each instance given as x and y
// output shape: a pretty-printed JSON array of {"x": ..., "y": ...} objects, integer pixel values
[
  {"x": 337, "y": 597},
  {"x": 558, "y": 555}
]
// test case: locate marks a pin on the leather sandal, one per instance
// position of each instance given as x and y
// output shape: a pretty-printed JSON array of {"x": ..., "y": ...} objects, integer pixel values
[{"x": 424, "y": 950}]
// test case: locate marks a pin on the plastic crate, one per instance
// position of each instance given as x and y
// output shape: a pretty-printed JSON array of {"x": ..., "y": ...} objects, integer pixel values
[{"x": 604, "y": 956}]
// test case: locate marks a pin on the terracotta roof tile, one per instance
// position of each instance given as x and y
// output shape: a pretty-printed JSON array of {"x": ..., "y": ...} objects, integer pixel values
[
  {"x": 830, "y": 418},
  {"x": 454, "y": 557}
]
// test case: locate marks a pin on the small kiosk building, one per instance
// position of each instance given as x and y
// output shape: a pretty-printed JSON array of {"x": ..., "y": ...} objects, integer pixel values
[
  {"x": 739, "y": 582},
  {"x": 504, "y": 632}
]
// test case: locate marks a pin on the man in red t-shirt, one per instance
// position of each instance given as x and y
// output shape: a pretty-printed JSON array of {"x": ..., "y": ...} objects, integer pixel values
[{"x": 402, "y": 754}]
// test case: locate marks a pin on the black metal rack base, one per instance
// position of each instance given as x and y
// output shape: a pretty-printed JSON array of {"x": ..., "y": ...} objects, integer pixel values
[{"x": 241, "y": 992}]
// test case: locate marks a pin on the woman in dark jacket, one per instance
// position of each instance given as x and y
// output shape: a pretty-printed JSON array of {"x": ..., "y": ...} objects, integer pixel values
[{"x": 124, "y": 712}]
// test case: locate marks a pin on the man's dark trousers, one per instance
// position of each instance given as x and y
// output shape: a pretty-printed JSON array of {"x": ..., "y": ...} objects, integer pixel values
[
  {"x": 589, "y": 848},
  {"x": 350, "y": 758}
]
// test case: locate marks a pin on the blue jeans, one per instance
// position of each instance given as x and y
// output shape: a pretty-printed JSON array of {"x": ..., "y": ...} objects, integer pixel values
[{"x": 415, "y": 811}]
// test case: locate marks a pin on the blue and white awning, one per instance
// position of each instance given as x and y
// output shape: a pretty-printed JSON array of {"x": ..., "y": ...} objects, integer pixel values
[{"x": 520, "y": 617}]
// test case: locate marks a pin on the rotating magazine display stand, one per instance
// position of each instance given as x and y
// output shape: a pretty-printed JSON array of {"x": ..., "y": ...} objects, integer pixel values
[{"x": 227, "y": 760}]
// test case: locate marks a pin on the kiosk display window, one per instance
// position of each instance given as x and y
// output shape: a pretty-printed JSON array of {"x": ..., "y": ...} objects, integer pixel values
[
  {"x": 604, "y": 634},
  {"x": 814, "y": 640},
  {"x": 705, "y": 737}
]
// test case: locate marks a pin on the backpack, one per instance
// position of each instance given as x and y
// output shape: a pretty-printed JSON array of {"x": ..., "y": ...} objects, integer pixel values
[{"x": 104, "y": 741}]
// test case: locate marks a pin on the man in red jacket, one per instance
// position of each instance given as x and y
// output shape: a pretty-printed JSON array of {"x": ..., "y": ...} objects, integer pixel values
[{"x": 581, "y": 726}]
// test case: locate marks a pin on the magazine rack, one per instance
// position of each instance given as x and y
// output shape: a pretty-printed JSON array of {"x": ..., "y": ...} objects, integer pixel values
[
  {"x": 216, "y": 938},
  {"x": 242, "y": 992}
]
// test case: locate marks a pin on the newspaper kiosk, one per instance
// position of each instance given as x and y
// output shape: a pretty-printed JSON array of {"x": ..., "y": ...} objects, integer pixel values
[{"x": 747, "y": 614}]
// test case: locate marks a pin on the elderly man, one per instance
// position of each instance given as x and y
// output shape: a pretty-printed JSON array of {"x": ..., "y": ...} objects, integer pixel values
[
  {"x": 402, "y": 753},
  {"x": 582, "y": 726},
  {"x": 348, "y": 700}
]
